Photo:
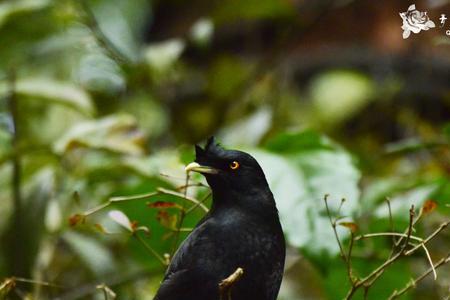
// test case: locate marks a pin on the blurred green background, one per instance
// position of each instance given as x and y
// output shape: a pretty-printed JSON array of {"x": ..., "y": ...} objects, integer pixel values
[{"x": 106, "y": 98}]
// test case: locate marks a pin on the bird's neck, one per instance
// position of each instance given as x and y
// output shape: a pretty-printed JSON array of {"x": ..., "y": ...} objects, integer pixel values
[{"x": 255, "y": 202}]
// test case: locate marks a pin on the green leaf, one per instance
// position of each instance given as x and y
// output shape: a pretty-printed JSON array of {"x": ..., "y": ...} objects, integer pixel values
[
  {"x": 412, "y": 145},
  {"x": 10, "y": 8},
  {"x": 64, "y": 93},
  {"x": 293, "y": 142},
  {"x": 95, "y": 255},
  {"x": 378, "y": 190},
  {"x": 121, "y": 22},
  {"x": 249, "y": 130},
  {"x": 116, "y": 133},
  {"x": 401, "y": 203},
  {"x": 300, "y": 177},
  {"x": 162, "y": 55},
  {"x": 166, "y": 162}
]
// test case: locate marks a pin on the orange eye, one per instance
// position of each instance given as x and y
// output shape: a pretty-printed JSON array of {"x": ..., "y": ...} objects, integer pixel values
[{"x": 234, "y": 165}]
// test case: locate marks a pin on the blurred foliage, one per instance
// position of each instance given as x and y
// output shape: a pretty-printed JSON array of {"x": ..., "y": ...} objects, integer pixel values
[{"x": 104, "y": 98}]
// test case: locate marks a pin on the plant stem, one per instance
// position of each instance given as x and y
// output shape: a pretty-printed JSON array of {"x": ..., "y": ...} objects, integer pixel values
[
  {"x": 181, "y": 218},
  {"x": 433, "y": 235},
  {"x": 375, "y": 274},
  {"x": 368, "y": 235},
  {"x": 333, "y": 225},
  {"x": 150, "y": 249},
  {"x": 193, "y": 207},
  {"x": 18, "y": 264},
  {"x": 414, "y": 282}
]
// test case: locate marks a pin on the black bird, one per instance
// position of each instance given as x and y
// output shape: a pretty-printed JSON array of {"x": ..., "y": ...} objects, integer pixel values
[{"x": 242, "y": 230}]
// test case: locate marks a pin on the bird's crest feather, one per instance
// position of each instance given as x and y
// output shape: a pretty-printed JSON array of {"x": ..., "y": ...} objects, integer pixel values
[{"x": 212, "y": 148}]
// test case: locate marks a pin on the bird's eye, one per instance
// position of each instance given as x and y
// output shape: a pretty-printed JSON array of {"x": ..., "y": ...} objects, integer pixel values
[{"x": 234, "y": 165}]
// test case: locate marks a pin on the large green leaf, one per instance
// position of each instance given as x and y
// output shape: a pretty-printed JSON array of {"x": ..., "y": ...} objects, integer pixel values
[
  {"x": 249, "y": 130},
  {"x": 91, "y": 252},
  {"x": 10, "y": 8},
  {"x": 64, "y": 93},
  {"x": 117, "y": 133},
  {"x": 401, "y": 203},
  {"x": 301, "y": 168},
  {"x": 166, "y": 162},
  {"x": 122, "y": 23}
]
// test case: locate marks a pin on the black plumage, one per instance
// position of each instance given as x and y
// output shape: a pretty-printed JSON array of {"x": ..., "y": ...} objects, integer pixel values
[{"x": 242, "y": 229}]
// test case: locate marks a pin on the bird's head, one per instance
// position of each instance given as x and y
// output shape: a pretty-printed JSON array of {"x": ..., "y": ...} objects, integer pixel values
[{"x": 228, "y": 171}]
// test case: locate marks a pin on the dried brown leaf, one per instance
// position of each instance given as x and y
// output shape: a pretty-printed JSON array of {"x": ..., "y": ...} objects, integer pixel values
[
  {"x": 353, "y": 227},
  {"x": 75, "y": 219},
  {"x": 429, "y": 206},
  {"x": 163, "y": 204}
]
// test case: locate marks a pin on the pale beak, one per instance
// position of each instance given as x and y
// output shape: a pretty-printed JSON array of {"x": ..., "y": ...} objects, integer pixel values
[{"x": 196, "y": 167}]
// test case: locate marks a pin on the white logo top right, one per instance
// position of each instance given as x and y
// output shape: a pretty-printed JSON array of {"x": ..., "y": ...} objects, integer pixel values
[{"x": 415, "y": 21}]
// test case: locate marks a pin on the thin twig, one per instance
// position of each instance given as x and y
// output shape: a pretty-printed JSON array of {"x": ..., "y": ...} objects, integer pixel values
[
  {"x": 10, "y": 283},
  {"x": 134, "y": 197},
  {"x": 195, "y": 184},
  {"x": 173, "y": 177},
  {"x": 406, "y": 231},
  {"x": 340, "y": 206},
  {"x": 381, "y": 234},
  {"x": 410, "y": 229},
  {"x": 107, "y": 291},
  {"x": 39, "y": 282},
  {"x": 181, "y": 217},
  {"x": 160, "y": 191},
  {"x": 333, "y": 225},
  {"x": 83, "y": 291},
  {"x": 366, "y": 292},
  {"x": 375, "y": 274},
  {"x": 349, "y": 258},
  {"x": 182, "y": 196},
  {"x": 150, "y": 249},
  {"x": 193, "y": 207},
  {"x": 391, "y": 222},
  {"x": 414, "y": 282},
  {"x": 430, "y": 261},
  {"x": 432, "y": 236}
]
